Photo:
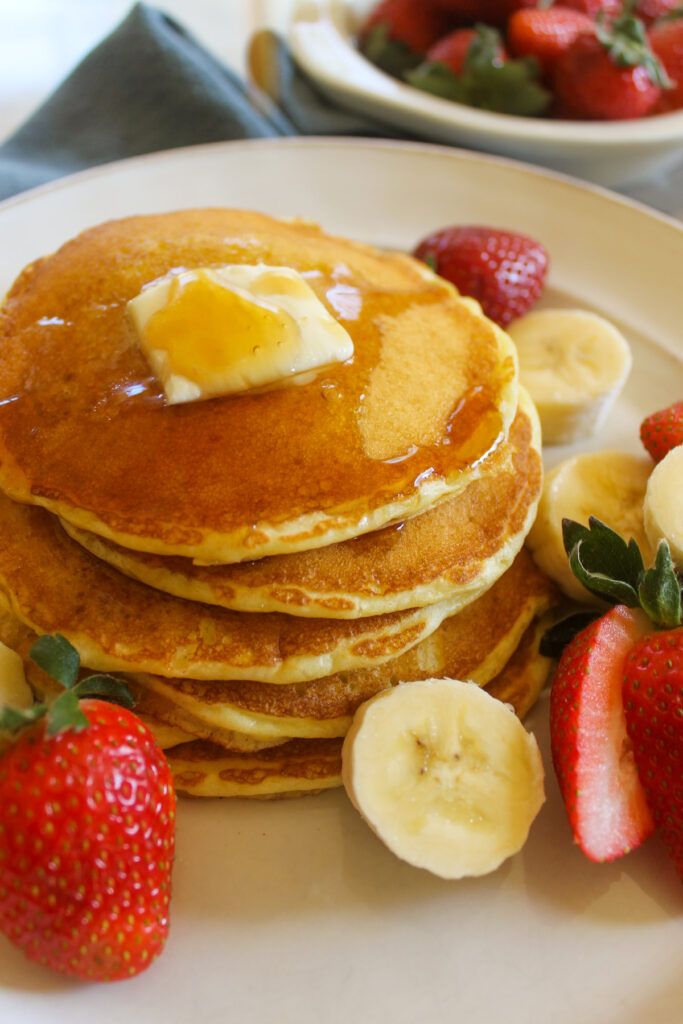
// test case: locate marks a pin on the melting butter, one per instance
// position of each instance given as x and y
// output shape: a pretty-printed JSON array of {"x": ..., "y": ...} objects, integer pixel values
[{"x": 224, "y": 330}]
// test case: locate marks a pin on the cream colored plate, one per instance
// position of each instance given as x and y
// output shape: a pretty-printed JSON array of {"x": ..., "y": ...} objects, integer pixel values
[{"x": 293, "y": 911}]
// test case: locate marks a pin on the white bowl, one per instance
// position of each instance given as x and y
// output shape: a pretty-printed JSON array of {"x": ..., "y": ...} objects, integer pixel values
[{"x": 607, "y": 152}]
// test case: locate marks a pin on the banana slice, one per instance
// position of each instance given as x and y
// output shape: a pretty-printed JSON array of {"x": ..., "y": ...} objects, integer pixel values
[
  {"x": 574, "y": 364},
  {"x": 14, "y": 689},
  {"x": 610, "y": 485},
  {"x": 663, "y": 508},
  {"x": 446, "y": 775}
]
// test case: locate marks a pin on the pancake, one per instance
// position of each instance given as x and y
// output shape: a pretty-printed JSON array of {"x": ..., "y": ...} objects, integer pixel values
[
  {"x": 310, "y": 766},
  {"x": 474, "y": 644},
  {"x": 521, "y": 681},
  {"x": 171, "y": 725},
  {"x": 298, "y": 767},
  {"x": 116, "y": 624},
  {"x": 461, "y": 545},
  {"x": 86, "y": 431}
]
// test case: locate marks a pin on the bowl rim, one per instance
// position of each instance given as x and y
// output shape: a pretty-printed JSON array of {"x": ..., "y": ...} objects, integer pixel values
[{"x": 329, "y": 23}]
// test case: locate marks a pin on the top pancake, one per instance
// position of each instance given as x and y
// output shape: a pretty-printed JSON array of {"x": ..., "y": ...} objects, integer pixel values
[{"x": 85, "y": 429}]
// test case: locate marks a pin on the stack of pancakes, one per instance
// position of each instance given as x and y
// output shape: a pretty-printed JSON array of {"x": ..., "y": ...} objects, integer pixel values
[{"x": 258, "y": 565}]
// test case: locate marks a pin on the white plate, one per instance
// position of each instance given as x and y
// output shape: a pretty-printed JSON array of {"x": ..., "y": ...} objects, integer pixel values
[
  {"x": 607, "y": 152},
  {"x": 293, "y": 911}
]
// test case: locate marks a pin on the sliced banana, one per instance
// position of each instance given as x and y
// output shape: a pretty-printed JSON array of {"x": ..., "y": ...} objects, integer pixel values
[
  {"x": 574, "y": 364},
  {"x": 14, "y": 690},
  {"x": 608, "y": 484},
  {"x": 663, "y": 508},
  {"x": 446, "y": 775}
]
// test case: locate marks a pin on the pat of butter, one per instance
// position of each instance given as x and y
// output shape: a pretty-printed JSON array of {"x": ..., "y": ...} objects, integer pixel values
[
  {"x": 14, "y": 690},
  {"x": 223, "y": 330}
]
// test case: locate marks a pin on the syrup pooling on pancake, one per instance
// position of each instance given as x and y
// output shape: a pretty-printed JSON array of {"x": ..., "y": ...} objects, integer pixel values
[
  {"x": 85, "y": 428},
  {"x": 464, "y": 543}
]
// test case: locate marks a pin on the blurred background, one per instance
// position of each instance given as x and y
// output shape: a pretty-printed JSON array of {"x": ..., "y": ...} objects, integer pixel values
[{"x": 41, "y": 40}]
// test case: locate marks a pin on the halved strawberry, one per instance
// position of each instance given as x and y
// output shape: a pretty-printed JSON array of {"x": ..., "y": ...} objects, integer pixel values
[
  {"x": 616, "y": 702},
  {"x": 592, "y": 755}
]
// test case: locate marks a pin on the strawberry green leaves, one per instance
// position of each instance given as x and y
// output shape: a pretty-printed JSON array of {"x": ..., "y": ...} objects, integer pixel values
[
  {"x": 60, "y": 660},
  {"x": 659, "y": 591},
  {"x": 602, "y": 561},
  {"x": 391, "y": 55},
  {"x": 56, "y": 656},
  {"x": 613, "y": 569},
  {"x": 626, "y": 41},
  {"x": 507, "y": 86}
]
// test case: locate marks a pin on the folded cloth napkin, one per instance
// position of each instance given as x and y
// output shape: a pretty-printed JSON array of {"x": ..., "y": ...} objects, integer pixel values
[{"x": 151, "y": 86}]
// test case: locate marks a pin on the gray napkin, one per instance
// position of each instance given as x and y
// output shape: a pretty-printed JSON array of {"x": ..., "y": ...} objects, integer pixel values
[{"x": 151, "y": 86}]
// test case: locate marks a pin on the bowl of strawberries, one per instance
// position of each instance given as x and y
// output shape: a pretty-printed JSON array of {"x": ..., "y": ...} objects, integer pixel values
[{"x": 592, "y": 88}]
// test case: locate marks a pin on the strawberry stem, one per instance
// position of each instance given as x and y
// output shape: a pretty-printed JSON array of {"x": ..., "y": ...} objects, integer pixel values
[
  {"x": 60, "y": 660},
  {"x": 659, "y": 591},
  {"x": 626, "y": 41}
]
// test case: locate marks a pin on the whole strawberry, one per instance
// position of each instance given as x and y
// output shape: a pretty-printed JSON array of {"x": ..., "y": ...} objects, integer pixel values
[
  {"x": 596, "y": 8},
  {"x": 86, "y": 831},
  {"x": 653, "y": 702},
  {"x": 489, "y": 12},
  {"x": 471, "y": 66},
  {"x": 396, "y": 34},
  {"x": 666, "y": 40},
  {"x": 662, "y": 431},
  {"x": 607, "y": 77},
  {"x": 545, "y": 33},
  {"x": 453, "y": 48},
  {"x": 650, "y": 11},
  {"x": 504, "y": 270}
]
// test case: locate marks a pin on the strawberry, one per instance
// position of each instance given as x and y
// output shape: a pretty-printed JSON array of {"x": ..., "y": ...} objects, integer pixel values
[
  {"x": 453, "y": 49},
  {"x": 397, "y": 33},
  {"x": 650, "y": 11},
  {"x": 489, "y": 12},
  {"x": 504, "y": 270},
  {"x": 666, "y": 40},
  {"x": 86, "y": 829},
  {"x": 653, "y": 702},
  {"x": 602, "y": 794},
  {"x": 612, "y": 75},
  {"x": 662, "y": 431},
  {"x": 470, "y": 66},
  {"x": 616, "y": 701},
  {"x": 596, "y": 8},
  {"x": 546, "y": 33}
]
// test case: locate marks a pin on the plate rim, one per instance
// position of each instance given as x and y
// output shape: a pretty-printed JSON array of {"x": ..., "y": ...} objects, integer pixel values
[{"x": 343, "y": 142}]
